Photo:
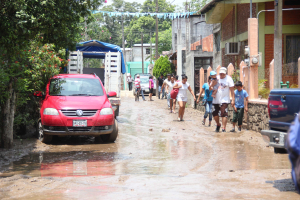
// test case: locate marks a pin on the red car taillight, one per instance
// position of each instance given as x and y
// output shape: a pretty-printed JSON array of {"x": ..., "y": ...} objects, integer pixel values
[{"x": 269, "y": 107}]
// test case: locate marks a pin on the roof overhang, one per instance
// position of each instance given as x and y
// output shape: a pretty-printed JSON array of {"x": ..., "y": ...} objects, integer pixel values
[{"x": 216, "y": 10}]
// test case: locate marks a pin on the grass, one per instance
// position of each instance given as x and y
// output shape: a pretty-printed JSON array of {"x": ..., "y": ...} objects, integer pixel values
[{"x": 262, "y": 90}]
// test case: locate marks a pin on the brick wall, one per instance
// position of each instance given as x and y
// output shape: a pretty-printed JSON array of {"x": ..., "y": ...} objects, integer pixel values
[
  {"x": 243, "y": 13},
  {"x": 228, "y": 26},
  {"x": 208, "y": 44},
  {"x": 290, "y": 17},
  {"x": 235, "y": 60}
]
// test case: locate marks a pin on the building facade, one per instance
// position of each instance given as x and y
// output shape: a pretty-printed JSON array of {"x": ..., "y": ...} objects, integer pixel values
[{"x": 232, "y": 15}]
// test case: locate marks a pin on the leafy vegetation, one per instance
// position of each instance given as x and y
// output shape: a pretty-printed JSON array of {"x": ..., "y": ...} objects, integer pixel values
[
  {"x": 25, "y": 61},
  {"x": 263, "y": 92},
  {"x": 162, "y": 66},
  {"x": 235, "y": 76}
]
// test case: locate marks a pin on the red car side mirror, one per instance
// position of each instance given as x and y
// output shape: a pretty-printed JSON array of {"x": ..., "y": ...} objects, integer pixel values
[{"x": 112, "y": 94}]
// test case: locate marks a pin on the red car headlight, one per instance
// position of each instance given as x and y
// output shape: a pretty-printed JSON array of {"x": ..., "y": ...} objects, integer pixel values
[{"x": 106, "y": 111}]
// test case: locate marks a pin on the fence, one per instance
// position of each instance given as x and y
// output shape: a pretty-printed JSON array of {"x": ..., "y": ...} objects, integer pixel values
[{"x": 289, "y": 73}]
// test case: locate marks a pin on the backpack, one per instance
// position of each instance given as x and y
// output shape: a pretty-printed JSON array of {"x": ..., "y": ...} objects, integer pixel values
[{"x": 293, "y": 147}]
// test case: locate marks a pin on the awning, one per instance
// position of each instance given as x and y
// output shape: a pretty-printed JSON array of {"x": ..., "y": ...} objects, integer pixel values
[{"x": 97, "y": 49}]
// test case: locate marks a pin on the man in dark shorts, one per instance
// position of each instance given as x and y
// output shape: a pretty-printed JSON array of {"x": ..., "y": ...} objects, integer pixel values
[
  {"x": 160, "y": 84},
  {"x": 222, "y": 99}
]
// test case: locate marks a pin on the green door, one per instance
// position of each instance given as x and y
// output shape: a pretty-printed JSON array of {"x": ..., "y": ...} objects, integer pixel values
[{"x": 134, "y": 71}]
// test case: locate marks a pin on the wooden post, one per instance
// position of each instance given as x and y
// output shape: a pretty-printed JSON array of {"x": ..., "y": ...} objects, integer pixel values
[
  {"x": 142, "y": 54},
  {"x": 209, "y": 69},
  {"x": 156, "y": 36},
  {"x": 278, "y": 44},
  {"x": 241, "y": 72},
  {"x": 201, "y": 77},
  {"x": 230, "y": 69},
  {"x": 271, "y": 75}
]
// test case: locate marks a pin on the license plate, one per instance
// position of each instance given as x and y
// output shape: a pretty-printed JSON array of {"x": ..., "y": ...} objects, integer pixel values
[
  {"x": 80, "y": 123},
  {"x": 146, "y": 90}
]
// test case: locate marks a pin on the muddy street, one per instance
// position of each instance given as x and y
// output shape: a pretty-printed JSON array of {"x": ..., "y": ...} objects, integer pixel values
[{"x": 154, "y": 157}]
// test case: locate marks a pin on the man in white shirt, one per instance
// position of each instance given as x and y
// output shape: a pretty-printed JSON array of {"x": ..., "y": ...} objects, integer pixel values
[
  {"x": 166, "y": 81},
  {"x": 222, "y": 99},
  {"x": 129, "y": 81}
]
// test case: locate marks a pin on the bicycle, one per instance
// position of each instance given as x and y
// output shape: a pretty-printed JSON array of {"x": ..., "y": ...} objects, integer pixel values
[{"x": 137, "y": 95}]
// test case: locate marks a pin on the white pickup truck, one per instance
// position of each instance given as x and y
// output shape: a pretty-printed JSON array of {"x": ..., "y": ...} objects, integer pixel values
[{"x": 112, "y": 72}]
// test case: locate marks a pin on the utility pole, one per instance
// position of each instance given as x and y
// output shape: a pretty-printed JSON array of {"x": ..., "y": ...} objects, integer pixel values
[
  {"x": 142, "y": 54},
  {"x": 150, "y": 48},
  {"x": 156, "y": 36},
  {"x": 123, "y": 42},
  {"x": 277, "y": 43}
]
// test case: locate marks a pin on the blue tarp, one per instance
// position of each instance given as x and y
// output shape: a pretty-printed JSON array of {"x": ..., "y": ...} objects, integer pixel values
[{"x": 89, "y": 49}]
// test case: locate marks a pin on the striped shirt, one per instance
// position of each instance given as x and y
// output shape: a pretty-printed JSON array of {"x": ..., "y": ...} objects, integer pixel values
[{"x": 137, "y": 83}]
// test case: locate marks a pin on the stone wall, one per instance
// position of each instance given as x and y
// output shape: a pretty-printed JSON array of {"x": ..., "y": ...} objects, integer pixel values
[{"x": 256, "y": 119}]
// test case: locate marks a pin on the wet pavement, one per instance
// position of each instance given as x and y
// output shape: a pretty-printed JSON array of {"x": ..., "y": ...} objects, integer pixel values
[{"x": 154, "y": 157}]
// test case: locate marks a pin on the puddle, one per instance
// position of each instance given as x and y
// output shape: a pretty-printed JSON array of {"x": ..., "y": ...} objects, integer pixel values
[
  {"x": 69, "y": 164},
  {"x": 241, "y": 155}
]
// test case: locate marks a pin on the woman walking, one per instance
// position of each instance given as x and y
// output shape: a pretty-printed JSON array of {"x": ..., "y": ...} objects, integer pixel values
[
  {"x": 174, "y": 100},
  {"x": 208, "y": 98},
  {"x": 183, "y": 86},
  {"x": 170, "y": 88},
  {"x": 151, "y": 85}
]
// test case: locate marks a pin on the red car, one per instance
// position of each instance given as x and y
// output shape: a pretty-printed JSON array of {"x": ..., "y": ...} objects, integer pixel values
[{"x": 77, "y": 104}]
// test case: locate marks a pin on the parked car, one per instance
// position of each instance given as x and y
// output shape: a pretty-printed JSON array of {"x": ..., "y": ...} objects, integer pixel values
[
  {"x": 145, "y": 83},
  {"x": 283, "y": 106},
  {"x": 76, "y": 104}
]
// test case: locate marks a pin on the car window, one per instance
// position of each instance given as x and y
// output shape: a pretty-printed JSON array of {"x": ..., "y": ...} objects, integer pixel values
[
  {"x": 75, "y": 87},
  {"x": 144, "y": 79}
]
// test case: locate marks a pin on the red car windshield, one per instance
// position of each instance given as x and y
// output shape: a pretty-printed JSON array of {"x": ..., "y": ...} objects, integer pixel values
[{"x": 75, "y": 87}]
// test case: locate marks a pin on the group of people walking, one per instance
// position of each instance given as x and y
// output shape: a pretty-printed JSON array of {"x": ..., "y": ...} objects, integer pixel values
[
  {"x": 172, "y": 83},
  {"x": 217, "y": 92}
]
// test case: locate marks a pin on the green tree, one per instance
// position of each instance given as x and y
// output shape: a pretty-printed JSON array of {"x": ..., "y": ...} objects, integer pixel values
[
  {"x": 114, "y": 23},
  {"x": 162, "y": 66},
  {"x": 57, "y": 21},
  {"x": 144, "y": 25},
  {"x": 196, "y": 5},
  {"x": 164, "y": 40},
  {"x": 149, "y": 6}
]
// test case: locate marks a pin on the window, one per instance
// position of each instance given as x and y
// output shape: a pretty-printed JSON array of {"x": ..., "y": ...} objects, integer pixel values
[
  {"x": 148, "y": 51},
  {"x": 292, "y": 54},
  {"x": 75, "y": 87},
  {"x": 291, "y": 2}
]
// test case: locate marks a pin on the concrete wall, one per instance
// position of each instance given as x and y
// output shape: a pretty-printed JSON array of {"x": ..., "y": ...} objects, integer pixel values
[
  {"x": 217, "y": 53},
  {"x": 189, "y": 71},
  {"x": 137, "y": 53},
  {"x": 196, "y": 29}
]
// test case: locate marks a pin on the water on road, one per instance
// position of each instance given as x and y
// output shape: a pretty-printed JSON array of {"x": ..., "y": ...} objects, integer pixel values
[{"x": 154, "y": 157}]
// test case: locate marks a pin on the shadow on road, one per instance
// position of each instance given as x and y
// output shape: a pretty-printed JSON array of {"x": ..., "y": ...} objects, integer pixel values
[{"x": 284, "y": 185}]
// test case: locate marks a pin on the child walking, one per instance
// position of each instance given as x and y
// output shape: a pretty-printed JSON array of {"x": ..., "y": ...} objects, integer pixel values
[
  {"x": 213, "y": 76},
  {"x": 239, "y": 106}
]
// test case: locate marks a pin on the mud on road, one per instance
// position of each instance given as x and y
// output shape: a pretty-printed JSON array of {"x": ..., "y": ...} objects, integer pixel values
[{"x": 154, "y": 157}]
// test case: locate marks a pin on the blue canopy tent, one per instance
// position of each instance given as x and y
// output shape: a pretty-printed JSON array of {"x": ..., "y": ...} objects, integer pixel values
[{"x": 92, "y": 49}]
